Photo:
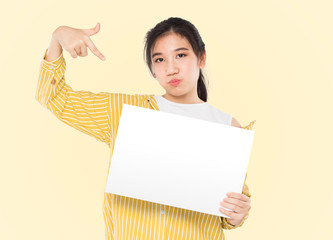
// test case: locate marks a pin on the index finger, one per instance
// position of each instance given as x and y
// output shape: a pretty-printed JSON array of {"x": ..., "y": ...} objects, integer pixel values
[
  {"x": 238, "y": 196},
  {"x": 93, "y": 49}
]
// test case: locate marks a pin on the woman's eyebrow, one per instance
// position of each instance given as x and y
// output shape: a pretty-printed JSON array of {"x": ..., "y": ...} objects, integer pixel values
[{"x": 177, "y": 49}]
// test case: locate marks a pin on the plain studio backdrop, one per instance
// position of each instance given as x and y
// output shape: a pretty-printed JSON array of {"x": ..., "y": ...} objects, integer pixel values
[{"x": 269, "y": 61}]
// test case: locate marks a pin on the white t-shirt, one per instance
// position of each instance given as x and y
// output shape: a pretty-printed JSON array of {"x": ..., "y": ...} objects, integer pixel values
[{"x": 203, "y": 111}]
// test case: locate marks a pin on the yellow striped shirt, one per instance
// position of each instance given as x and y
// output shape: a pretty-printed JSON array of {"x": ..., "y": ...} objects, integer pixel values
[{"x": 98, "y": 115}]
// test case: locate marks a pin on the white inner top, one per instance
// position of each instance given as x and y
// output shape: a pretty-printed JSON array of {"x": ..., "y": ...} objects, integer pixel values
[{"x": 203, "y": 111}]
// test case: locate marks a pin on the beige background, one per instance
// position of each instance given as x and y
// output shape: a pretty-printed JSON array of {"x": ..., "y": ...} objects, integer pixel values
[{"x": 266, "y": 60}]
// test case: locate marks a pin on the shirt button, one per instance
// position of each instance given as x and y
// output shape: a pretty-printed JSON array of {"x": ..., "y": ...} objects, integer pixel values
[
  {"x": 162, "y": 211},
  {"x": 53, "y": 81},
  {"x": 51, "y": 67}
]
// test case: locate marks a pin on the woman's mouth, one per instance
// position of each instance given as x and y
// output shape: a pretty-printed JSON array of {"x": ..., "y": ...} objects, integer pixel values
[{"x": 174, "y": 82}]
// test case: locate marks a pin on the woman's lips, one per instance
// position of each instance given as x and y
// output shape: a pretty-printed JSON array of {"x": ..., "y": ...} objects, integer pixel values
[{"x": 174, "y": 82}]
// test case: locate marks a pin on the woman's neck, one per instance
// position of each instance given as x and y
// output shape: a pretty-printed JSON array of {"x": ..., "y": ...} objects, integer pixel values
[{"x": 182, "y": 99}]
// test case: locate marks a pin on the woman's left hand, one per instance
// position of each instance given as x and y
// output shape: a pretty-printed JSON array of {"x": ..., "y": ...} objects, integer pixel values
[{"x": 237, "y": 202}]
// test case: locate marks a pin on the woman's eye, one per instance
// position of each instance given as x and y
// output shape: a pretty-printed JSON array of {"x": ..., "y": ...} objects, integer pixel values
[{"x": 158, "y": 59}]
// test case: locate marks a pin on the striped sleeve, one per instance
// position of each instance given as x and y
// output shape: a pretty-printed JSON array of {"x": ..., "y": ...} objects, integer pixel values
[
  {"x": 225, "y": 222},
  {"x": 86, "y": 111}
]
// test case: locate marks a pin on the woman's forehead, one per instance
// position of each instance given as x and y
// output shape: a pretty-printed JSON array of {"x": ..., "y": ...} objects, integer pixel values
[{"x": 171, "y": 42}]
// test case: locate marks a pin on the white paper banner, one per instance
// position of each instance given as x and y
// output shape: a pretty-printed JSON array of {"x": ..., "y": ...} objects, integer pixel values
[{"x": 177, "y": 160}]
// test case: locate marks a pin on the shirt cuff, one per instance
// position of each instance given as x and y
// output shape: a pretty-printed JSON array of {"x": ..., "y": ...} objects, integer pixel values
[{"x": 55, "y": 64}]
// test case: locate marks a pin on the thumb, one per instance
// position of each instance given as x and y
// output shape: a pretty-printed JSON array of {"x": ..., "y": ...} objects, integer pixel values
[{"x": 92, "y": 31}]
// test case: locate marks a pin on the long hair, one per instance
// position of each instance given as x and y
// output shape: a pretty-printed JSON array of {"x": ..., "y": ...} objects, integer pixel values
[{"x": 183, "y": 28}]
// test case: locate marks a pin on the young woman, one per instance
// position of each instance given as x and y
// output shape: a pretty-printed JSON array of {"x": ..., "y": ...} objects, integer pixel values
[{"x": 175, "y": 55}]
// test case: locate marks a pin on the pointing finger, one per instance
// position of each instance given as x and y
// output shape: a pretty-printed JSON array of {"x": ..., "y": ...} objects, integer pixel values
[{"x": 94, "y": 50}]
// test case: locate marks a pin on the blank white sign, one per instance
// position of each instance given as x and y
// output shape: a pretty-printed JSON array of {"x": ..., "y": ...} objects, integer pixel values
[{"x": 177, "y": 160}]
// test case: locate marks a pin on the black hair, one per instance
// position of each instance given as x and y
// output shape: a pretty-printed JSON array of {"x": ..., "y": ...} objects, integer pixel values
[{"x": 185, "y": 29}]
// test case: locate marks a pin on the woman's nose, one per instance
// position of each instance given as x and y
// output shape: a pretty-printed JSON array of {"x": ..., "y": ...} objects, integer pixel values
[{"x": 172, "y": 68}]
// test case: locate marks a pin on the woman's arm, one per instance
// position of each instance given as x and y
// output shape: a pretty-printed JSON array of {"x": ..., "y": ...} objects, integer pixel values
[
  {"x": 94, "y": 114},
  {"x": 83, "y": 110}
]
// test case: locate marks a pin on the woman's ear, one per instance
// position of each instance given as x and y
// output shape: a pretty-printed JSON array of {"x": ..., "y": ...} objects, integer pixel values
[{"x": 202, "y": 60}]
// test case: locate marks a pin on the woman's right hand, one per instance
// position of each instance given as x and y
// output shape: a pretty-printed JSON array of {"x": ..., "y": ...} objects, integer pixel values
[{"x": 75, "y": 41}]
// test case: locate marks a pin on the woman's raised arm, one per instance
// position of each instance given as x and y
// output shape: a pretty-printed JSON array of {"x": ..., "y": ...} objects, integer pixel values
[{"x": 93, "y": 114}]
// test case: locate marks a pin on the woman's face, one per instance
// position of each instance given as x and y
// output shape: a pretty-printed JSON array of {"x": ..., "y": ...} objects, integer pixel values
[{"x": 173, "y": 59}]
